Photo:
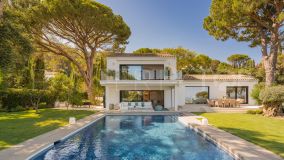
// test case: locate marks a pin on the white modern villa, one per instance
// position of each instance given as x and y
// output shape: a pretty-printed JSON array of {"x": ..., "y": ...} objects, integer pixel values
[{"x": 151, "y": 81}]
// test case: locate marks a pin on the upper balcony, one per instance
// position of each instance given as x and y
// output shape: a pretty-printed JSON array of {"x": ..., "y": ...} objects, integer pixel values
[{"x": 154, "y": 75}]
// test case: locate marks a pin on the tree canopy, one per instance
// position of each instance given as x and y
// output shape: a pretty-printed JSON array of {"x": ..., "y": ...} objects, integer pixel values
[
  {"x": 258, "y": 22},
  {"x": 15, "y": 46},
  {"x": 239, "y": 60},
  {"x": 77, "y": 30},
  {"x": 146, "y": 50}
]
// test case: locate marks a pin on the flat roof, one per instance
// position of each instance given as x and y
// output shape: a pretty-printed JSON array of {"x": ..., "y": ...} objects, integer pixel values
[
  {"x": 140, "y": 55},
  {"x": 218, "y": 77}
]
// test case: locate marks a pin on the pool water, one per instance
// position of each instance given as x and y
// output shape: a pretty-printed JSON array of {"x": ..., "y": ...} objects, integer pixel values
[{"x": 135, "y": 138}]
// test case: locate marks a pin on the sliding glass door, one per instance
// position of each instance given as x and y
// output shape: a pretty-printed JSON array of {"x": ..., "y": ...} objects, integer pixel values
[
  {"x": 154, "y": 96},
  {"x": 238, "y": 92}
]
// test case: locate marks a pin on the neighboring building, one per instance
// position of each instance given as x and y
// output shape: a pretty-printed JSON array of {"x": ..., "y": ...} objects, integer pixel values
[{"x": 154, "y": 78}]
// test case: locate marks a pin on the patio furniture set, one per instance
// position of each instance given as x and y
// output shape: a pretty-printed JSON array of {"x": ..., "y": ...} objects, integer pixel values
[{"x": 228, "y": 103}]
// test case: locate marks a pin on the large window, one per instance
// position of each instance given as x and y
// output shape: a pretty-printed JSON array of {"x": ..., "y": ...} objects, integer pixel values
[
  {"x": 154, "y": 96},
  {"x": 196, "y": 94},
  {"x": 239, "y": 93},
  {"x": 142, "y": 72},
  {"x": 130, "y": 72}
]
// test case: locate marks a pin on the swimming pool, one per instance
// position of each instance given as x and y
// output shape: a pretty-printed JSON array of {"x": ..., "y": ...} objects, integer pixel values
[{"x": 135, "y": 137}]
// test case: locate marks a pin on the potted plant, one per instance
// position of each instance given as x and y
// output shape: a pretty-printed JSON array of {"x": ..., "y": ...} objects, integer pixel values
[{"x": 110, "y": 74}]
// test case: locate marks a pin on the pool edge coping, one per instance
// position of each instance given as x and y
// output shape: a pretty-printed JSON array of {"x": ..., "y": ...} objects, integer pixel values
[
  {"x": 200, "y": 129},
  {"x": 33, "y": 155},
  {"x": 21, "y": 151},
  {"x": 214, "y": 142},
  {"x": 51, "y": 144},
  {"x": 197, "y": 131}
]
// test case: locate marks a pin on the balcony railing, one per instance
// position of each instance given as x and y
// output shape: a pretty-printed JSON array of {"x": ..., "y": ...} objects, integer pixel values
[{"x": 141, "y": 75}]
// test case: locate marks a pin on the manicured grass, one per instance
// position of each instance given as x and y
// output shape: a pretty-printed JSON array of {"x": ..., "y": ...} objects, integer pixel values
[
  {"x": 265, "y": 132},
  {"x": 17, "y": 127}
]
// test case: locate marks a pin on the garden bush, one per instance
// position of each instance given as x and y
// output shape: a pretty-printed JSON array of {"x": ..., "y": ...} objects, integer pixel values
[
  {"x": 76, "y": 99},
  {"x": 272, "y": 99},
  {"x": 256, "y": 91},
  {"x": 66, "y": 89},
  {"x": 21, "y": 99},
  {"x": 257, "y": 111}
]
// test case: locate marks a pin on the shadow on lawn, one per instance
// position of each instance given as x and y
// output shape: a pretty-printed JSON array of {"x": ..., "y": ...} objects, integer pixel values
[
  {"x": 258, "y": 139},
  {"x": 17, "y": 127}
]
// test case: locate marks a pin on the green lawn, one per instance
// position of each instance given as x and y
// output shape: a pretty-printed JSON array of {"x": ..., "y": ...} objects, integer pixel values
[
  {"x": 263, "y": 131},
  {"x": 17, "y": 127}
]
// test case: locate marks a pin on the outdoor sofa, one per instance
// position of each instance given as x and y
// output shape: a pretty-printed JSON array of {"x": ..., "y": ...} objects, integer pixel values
[{"x": 136, "y": 105}]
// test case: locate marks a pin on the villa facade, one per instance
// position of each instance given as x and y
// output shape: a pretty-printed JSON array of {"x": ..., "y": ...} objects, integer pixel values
[{"x": 152, "y": 80}]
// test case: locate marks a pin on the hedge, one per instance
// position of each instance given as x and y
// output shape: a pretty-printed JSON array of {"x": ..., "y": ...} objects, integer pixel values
[{"x": 18, "y": 99}]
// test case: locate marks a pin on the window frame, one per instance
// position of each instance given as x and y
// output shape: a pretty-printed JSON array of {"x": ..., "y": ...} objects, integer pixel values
[
  {"x": 141, "y": 72},
  {"x": 236, "y": 92}
]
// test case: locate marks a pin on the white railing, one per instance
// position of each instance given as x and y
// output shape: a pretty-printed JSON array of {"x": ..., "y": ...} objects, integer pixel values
[{"x": 140, "y": 75}]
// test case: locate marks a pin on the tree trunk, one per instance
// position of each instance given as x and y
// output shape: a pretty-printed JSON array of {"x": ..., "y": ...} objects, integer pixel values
[
  {"x": 270, "y": 68},
  {"x": 270, "y": 110},
  {"x": 90, "y": 91},
  {"x": 269, "y": 61},
  {"x": 89, "y": 78}
]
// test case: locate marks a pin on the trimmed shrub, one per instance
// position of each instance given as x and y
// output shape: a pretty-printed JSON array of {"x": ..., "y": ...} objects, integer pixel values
[
  {"x": 257, "y": 111},
  {"x": 21, "y": 99},
  {"x": 76, "y": 99},
  {"x": 256, "y": 91},
  {"x": 272, "y": 99}
]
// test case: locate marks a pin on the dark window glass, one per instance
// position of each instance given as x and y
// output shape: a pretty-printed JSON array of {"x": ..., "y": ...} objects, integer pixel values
[
  {"x": 131, "y": 96},
  {"x": 239, "y": 93},
  {"x": 142, "y": 72},
  {"x": 130, "y": 72},
  {"x": 154, "y": 96}
]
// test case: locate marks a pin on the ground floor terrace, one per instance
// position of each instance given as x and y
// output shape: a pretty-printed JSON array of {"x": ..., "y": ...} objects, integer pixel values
[{"x": 174, "y": 95}]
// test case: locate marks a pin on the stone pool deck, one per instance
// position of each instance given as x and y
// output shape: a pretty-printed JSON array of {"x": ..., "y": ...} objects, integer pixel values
[
  {"x": 237, "y": 147},
  {"x": 26, "y": 149}
]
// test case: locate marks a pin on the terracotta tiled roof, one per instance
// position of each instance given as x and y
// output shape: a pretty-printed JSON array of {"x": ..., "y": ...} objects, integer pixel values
[
  {"x": 218, "y": 77},
  {"x": 140, "y": 55}
]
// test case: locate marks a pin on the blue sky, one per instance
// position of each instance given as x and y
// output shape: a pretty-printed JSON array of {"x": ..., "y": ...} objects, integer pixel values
[{"x": 174, "y": 23}]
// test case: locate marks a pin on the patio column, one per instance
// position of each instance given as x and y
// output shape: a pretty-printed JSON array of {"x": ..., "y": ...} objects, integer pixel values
[{"x": 179, "y": 95}]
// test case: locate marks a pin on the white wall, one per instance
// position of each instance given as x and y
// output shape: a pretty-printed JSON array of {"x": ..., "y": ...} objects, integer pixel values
[
  {"x": 217, "y": 89},
  {"x": 112, "y": 93}
]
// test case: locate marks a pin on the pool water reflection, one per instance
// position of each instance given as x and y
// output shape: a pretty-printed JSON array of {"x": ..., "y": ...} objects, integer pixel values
[{"x": 135, "y": 137}]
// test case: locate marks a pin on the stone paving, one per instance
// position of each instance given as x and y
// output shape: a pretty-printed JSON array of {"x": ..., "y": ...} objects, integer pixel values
[{"x": 32, "y": 146}]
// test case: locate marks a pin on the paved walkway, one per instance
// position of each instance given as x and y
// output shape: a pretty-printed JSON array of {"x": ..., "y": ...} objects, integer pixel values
[
  {"x": 86, "y": 108},
  {"x": 238, "y": 147},
  {"x": 32, "y": 146},
  {"x": 205, "y": 108}
]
